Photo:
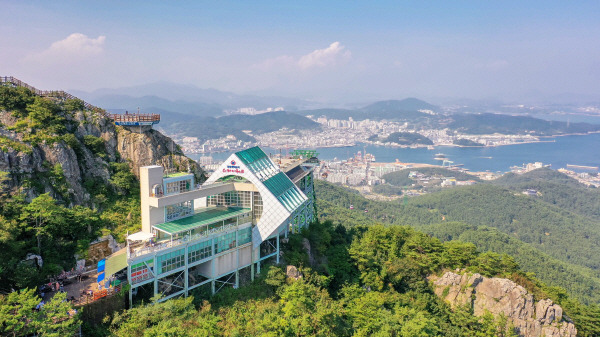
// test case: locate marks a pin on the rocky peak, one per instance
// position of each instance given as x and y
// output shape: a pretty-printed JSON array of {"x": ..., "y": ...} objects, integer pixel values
[
  {"x": 503, "y": 296},
  {"x": 30, "y": 165}
]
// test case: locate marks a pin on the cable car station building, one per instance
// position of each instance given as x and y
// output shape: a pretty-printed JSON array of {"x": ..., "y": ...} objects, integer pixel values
[{"x": 207, "y": 235}]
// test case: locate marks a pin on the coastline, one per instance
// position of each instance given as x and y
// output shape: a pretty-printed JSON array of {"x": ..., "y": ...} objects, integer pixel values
[{"x": 340, "y": 146}]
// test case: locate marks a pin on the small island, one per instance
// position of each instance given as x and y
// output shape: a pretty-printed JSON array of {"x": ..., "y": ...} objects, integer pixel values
[
  {"x": 407, "y": 138},
  {"x": 467, "y": 142}
]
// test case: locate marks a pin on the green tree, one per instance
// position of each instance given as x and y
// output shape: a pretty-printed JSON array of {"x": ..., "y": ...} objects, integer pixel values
[
  {"x": 15, "y": 99},
  {"x": 39, "y": 213},
  {"x": 21, "y": 314},
  {"x": 72, "y": 105}
]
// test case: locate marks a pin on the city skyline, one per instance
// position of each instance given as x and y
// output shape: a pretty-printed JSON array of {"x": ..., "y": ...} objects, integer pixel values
[{"x": 330, "y": 52}]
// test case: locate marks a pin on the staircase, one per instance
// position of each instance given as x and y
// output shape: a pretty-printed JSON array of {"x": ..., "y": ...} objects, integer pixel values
[
  {"x": 58, "y": 94},
  {"x": 135, "y": 119}
]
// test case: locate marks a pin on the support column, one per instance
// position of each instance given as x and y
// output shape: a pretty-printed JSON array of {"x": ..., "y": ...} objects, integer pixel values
[
  {"x": 252, "y": 262},
  {"x": 155, "y": 276},
  {"x": 130, "y": 287},
  {"x": 237, "y": 278},
  {"x": 277, "y": 258},
  {"x": 185, "y": 273},
  {"x": 212, "y": 268}
]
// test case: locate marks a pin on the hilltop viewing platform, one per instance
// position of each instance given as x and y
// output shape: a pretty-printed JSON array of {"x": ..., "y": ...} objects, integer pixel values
[{"x": 135, "y": 119}]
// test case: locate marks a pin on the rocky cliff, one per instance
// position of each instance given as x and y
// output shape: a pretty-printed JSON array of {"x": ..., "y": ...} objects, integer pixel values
[
  {"x": 503, "y": 296},
  {"x": 68, "y": 165}
]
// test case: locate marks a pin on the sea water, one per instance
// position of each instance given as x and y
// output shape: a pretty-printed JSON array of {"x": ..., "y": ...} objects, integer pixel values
[{"x": 575, "y": 150}]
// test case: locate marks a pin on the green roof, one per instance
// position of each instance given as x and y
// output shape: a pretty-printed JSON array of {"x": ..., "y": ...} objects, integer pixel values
[
  {"x": 116, "y": 262},
  {"x": 208, "y": 216},
  {"x": 284, "y": 190},
  {"x": 257, "y": 161},
  {"x": 177, "y": 174},
  {"x": 278, "y": 184},
  {"x": 251, "y": 155}
]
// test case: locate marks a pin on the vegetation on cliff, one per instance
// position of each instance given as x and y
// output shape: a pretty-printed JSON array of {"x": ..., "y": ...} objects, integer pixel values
[{"x": 67, "y": 176}]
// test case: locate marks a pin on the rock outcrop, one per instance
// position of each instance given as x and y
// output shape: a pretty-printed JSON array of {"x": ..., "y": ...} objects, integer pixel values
[
  {"x": 29, "y": 164},
  {"x": 503, "y": 296},
  {"x": 153, "y": 148}
]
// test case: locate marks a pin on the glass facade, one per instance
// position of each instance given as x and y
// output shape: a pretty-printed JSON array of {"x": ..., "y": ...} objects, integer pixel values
[
  {"x": 199, "y": 251},
  {"x": 171, "y": 261},
  {"x": 244, "y": 236},
  {"x": 225, "y": 242},
  {"x": 258, "y": 208},
  {"x": 234, "y": 198},
  {"x": 180, "y": 210},
  {"x": 178, "y": 186},
  {"x": 285, "y": 191}
]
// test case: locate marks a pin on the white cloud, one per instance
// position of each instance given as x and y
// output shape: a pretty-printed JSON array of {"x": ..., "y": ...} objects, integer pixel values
[
  {"x": 319, "y": 58},
  {"x": 78, "y": 43},
  {"x": 324, "y": 57},
  {"x": 74, "y": 46}
]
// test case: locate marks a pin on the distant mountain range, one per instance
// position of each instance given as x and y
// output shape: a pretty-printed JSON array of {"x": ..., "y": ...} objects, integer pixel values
[
  {"x": 488, "y": 123},
  {"x": 183, "y": 98},
  {"x": 192, "y": 111},
  {"x": 210, "y": 127},
  {"x": 406, "y": 109}
]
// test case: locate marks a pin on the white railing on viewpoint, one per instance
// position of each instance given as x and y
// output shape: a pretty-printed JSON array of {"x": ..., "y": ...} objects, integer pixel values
[
  {"x": 196, "y": 188},
  {"x": 133, "y": 252}
]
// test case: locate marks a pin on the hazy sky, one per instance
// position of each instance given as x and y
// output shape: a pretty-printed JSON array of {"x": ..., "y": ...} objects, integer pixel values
[{"x": 328, "y": 50}]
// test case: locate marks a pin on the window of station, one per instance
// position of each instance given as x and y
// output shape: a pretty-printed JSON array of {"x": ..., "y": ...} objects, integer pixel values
[
  {"x": 258, "y": 207},
  {"x": 244, "y": 235},
  {"x": 225, "y": 242},
  {"x": 178, "y": 186},
  {"x": 140, "y": 272},
  {"x": 180, "y": 210},
  {"x": 234, "y": 198},
  {"x": 199, "y": 251},
  {"x": 171, "y": 261},
  {"x": 244, "y": 218}
]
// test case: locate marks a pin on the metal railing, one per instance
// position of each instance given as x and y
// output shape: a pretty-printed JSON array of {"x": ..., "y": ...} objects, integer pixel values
[
  {"x": 134, "y": 118},
  {"x": 135, "y": 252},
  {"x": 63, "y": 95},
  {"x": 198, "y": 187},
  {"x": 60, "y": 94}
]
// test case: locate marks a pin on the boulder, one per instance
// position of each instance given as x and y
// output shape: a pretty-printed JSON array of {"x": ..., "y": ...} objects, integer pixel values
[{"x": 503, "y": 296}]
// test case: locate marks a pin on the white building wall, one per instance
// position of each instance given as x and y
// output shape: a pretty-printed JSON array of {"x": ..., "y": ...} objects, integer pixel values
[{"x": 150, "y": 176}]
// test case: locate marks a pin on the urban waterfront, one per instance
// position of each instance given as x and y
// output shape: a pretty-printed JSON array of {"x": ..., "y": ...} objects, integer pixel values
[{"x": 577, "y": 150}]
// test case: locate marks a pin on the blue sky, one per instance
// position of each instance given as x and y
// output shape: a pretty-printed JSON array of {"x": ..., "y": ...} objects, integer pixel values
[{"x": 338, "y": 51}]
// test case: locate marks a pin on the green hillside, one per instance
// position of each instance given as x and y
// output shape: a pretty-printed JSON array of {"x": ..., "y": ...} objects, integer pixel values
[
  {"x": 488, "y": 123},
  {"x": 407, "y": 138},
  {"x": 552, "y": 257},
  {"x": 399, "y": 110},
  {"x": 208, "y": 127},
  {"x": 556, "y": 189},
  {"x": 549, "y": 228},
  {"x": 366, "y": 281},
  {"x": 400, "y": 178}
]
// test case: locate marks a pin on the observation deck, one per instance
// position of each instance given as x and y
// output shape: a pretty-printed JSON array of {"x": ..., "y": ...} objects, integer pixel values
[
  {"x": 206, "y": 223},
  {"x": 135, "y": 119}
]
